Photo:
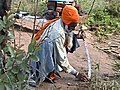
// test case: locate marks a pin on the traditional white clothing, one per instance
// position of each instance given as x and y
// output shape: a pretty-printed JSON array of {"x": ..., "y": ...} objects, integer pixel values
[{"x": 52, "y": 51}]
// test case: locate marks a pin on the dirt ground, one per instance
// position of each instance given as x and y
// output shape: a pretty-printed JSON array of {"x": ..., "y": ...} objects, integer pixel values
[{"x": 78, "y": 60}]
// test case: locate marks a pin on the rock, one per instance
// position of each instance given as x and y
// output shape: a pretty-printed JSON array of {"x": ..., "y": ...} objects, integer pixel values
[
  {"x": 72, "y": 84},
  {"x": 118, "y": 56}
]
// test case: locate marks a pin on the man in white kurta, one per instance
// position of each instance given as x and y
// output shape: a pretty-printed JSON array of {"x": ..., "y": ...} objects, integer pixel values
[{"x": 52, "y": 50}]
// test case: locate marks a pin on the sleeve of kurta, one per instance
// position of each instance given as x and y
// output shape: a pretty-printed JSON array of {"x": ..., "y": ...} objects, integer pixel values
[{"x": 61, "y": 55}]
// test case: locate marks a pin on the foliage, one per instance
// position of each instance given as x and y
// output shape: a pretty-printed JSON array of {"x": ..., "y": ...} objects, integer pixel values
[
  {"x": 14, "y": 63},
  {"x": 113, "y": 8},
  {"x": 100, "y": 83},
  {"x": 103, "y": 21},
  {"x": 29, "y": 6},
  {"x": 86, "y": 4}
]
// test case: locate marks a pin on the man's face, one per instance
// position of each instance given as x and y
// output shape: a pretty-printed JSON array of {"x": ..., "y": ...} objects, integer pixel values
[{"x": 72, "y": 26}]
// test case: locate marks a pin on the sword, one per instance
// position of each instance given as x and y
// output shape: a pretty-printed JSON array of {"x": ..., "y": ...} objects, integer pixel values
[
  {"x": 88, "y": 59},
  {"x": 87, "y": 54}
]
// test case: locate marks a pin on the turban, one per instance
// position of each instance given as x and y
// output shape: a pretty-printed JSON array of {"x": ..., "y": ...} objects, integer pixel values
[{"x": 70, "y": 14}]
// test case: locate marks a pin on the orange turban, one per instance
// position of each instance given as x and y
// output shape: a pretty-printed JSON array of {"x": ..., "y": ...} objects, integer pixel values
[{"x": 70, "y": 14}]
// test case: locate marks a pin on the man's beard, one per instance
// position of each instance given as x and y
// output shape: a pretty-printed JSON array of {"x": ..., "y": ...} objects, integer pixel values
[
  {"x": 67, "y": 29},
  {"x": 68, "y": 37}
]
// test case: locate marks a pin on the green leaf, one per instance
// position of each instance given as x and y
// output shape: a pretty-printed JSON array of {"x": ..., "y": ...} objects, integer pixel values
[
  {"x": 4, "y": 30},
  {"x": 8, "y": 87},
  {"x": 11, "y": 50},
  {"x": 5, "y": 19},
  {"x": 2, "y": 23},
  {"x": 2, "y": 87},
  {"x": 31, "y": 46},
  {"x": 3, "y": 78},
  {"x": 20, "y": 76},
  {"x": 107, "y": 19},
  {"x": 11, "y": 35},
  {"x": 34, "y": 58},
  {"x": 10, "y": 17},
  {"x": 11, "y": 75},
  {"x": 9, "y": 24},
  {"x": 0, "y": 47},
  {"x": 20, "y": 86},
  {"x": 5, "y": 49},
  {"x": 1, "y": 28},
  {"x": 20, "y": 56},
  {"x": 16, "y": 69},
  {"x": 24, "y": 65},
  {"x": 9, "y": 63},
  {"x": 1, "y": 38}
]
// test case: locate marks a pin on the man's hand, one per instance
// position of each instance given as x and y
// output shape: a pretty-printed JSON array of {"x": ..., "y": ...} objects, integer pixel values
[
  {"x": 82, "y": 77},
  {"x": 81, "y": 35}
]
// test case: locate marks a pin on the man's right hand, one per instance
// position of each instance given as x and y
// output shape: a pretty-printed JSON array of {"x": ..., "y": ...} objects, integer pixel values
[
  {"x": 81, "y": 35},
  {"x": 82, "y": 77}
]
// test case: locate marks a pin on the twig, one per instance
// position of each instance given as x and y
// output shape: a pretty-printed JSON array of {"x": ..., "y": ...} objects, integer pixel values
[
  {"x": 35, "y": 12},
  {"x": 15, "y": 20},
  {"x": 18, "y": 6},
  {"x": 91, "y": 8}
]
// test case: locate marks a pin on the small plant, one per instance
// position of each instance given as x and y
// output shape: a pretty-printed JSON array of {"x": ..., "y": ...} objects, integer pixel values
[
  {"x": 98, "y": 83},
  {"x": 14, "y": 62}
]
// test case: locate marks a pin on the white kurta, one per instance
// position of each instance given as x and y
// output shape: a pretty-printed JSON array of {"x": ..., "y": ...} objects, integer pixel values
[{"x": 52, "y": 51}]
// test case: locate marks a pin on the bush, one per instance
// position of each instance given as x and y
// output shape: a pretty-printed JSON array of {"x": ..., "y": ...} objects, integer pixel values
[
  {"x": 29, "y": 6},
  {"x": 113, "y": 8},
  {"x": 14, "y": 63}
]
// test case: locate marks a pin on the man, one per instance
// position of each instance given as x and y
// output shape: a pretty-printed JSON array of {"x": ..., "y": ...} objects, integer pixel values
[{"x": 53, "y": 46}]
